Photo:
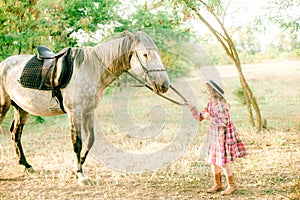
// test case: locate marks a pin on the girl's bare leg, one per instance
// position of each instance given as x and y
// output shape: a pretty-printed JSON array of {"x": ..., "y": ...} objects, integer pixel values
[
  {"x": 227, "y": 170},
  {"x": 215, "y": 169}
]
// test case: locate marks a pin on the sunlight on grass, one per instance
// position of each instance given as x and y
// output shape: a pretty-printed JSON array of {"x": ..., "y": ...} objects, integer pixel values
[{"x": 270, "y": 171}]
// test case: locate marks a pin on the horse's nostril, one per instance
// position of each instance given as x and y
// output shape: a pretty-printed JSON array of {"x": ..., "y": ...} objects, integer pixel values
[{"x": 165, "y": 86}]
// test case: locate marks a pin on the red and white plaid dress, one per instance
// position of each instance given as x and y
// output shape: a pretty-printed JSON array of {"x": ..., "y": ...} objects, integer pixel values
[{"x": 223, "y": 144}]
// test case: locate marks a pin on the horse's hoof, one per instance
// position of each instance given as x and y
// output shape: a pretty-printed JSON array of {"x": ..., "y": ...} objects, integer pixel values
[
  {"x": 83, "y": 180},
  {"x": 30, "y": 170}
]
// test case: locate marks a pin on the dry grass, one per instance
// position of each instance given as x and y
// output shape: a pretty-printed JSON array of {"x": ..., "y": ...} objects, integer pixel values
[{"x": 271, "y": 171}]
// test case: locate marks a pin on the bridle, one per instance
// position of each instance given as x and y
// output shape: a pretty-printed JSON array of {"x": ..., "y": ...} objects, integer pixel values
[
  {"x": 145, "y": 69},
  {"x": 165, "y": 97},
  {"x": 147, "y": 73}
]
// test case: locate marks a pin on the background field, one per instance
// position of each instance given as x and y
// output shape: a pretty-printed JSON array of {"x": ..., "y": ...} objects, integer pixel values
[{"x": 271, "y": 171}]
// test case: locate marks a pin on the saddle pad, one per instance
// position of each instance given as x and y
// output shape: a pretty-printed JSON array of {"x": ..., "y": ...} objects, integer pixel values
[{"x": 31, "y": 74}]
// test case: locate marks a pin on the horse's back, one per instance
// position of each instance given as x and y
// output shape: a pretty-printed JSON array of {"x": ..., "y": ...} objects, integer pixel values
[
  {"x": 13, "y": 62},
  {"x": 11, "y": 67}
]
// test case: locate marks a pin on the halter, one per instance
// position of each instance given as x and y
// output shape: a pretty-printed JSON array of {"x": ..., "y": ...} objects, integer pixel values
[
  {"x": 165, "y": 97},
  {"x": 146, "y": 70}
]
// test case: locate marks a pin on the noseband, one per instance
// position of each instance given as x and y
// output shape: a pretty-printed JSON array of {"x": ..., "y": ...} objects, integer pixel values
[
  {"x": 146, "y": 70},
  {"x": 165, "y": 97}
]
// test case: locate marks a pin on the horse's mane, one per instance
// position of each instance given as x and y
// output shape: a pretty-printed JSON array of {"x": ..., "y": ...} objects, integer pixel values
[{"x": 112, "y": 56}]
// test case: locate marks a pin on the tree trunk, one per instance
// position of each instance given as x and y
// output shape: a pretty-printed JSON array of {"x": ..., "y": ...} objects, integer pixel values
[
  {"x": 250, "y": 101},
  {"x": 229, "y": 47},
  {"x": 248, "y": 104}
]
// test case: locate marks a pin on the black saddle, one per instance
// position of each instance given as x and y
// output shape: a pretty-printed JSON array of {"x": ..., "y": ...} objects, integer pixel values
[
  {"x": 48, "y": 71},
  {"x": 45, "y": 53}
]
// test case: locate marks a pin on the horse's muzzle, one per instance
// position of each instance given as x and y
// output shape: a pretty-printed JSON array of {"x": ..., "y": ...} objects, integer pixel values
[
  {"x": 159, "y": 80},
  {"x": 165, "y": 86},
  {"x": 163, "y": 82},
  {"x": 161, "y": 87}
]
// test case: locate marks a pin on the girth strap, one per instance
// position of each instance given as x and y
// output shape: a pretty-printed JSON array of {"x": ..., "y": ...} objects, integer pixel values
[{"x": 56, "y": 93}]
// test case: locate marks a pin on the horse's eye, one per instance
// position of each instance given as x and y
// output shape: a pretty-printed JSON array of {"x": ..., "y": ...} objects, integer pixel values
[{"x": 145, "y": 55}]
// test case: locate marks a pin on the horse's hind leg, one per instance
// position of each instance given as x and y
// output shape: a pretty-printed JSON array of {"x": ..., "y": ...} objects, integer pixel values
[
  {"x": 3, "y": 111},
  {"x": 20, "y": 117},
  {"x": 4, "y": 106}
]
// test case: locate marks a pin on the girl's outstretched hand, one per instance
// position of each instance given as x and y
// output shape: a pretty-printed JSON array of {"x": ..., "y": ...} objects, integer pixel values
[
  {"x": 189, "y": 104},
  {"x": 206, "y": 115}
]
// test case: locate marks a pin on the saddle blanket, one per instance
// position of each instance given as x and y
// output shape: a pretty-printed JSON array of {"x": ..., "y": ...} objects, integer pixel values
[{"x": 32, "y": 75}]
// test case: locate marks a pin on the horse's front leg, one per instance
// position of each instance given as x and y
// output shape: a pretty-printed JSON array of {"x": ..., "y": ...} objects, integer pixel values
[
  {"x": 76, "y": 124},
  {"x": 88, "y": 125}
]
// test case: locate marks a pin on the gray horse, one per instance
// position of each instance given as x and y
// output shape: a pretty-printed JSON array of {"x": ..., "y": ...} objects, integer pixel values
[{"x": 94, "y": 69}]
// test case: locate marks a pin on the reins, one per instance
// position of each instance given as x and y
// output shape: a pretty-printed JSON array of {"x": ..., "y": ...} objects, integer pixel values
[
  {"x": 143, "y": 83},
  {"x": 165, "y": 97},
  {"x": 152, "y": 79}
]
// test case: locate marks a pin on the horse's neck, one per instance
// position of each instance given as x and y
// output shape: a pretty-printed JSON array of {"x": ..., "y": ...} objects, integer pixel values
[{"x": 111, "y": 60}]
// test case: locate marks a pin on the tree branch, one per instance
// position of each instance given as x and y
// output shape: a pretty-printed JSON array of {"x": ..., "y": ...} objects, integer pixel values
[
  {"x": 218, "y": 35},
  {"x": 231, "y": 48}
]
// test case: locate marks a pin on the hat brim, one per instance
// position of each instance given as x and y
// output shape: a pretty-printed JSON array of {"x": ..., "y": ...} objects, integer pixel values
[{"x": 216, "y": 88}]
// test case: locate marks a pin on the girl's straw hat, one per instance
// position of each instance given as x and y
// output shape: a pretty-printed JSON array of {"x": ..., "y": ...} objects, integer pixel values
[{"x": 216, "y": 88}]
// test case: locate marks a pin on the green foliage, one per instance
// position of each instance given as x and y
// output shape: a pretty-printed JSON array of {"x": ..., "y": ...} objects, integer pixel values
[
  {"x": 282, "y": 14},
  {"x": 151, "y": 17},
  {"x": 247, "y": 41},
  {"x": 39, "y": 120},
  {"x": 6, "y": 42},
  {"x": 164, "y": 28},
  {"x": 239, "y": 93},
  {"x": 68, "y": 17},
  {"x": 87, "y": 14},
  {"x": 18, "y": 19},
  {"x": 279, "y": 12},
  {"x": 175, "y": 48},
  {"x": 27, "y": 24}
]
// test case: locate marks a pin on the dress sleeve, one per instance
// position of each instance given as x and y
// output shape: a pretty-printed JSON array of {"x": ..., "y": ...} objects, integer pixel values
[
  {"x": 221, "y": 115},
  {"x": 199, "y": 116}
]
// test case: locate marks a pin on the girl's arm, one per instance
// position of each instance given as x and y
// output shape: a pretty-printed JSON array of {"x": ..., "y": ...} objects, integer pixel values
[{"x": 199, "y": 116}]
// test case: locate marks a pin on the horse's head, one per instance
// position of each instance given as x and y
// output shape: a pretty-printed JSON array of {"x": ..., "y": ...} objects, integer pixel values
[{"x": 145, "y": 61}]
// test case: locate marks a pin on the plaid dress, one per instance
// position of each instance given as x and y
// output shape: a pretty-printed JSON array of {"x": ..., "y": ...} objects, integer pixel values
[{"x": 223, "y": 144}]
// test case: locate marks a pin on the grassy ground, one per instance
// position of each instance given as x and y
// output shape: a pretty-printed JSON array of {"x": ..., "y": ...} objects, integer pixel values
[{"x": 270, "y": 171}]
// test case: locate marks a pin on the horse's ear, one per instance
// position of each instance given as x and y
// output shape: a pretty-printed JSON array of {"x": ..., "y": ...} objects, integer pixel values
[{"x": 129, "y": 34}]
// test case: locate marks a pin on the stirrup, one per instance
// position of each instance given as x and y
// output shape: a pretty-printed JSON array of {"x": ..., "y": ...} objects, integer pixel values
[{"x": 54, "y": 104}]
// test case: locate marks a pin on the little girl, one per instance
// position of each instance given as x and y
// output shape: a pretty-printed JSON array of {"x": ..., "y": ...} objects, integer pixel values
[{"x": 224, "y": 144}]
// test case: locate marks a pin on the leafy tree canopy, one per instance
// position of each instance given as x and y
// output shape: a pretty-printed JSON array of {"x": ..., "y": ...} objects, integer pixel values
[{"x": 26, "y": 24}]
